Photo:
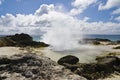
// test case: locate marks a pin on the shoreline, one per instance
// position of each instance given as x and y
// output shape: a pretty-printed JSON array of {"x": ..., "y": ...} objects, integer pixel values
[
  {"x": 89, "y": 54},
  {"x": 9, "y": 51},
  {"x": 95, "y": 50}
]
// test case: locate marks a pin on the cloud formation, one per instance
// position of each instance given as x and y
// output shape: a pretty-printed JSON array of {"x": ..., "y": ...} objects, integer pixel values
[
  {"x": 117, "y": 18},
  {"x": 56, "y": 28},
  {"x": 109, "y": 4},
  {"x": 80, "y": 5},
  {"x": 117, "y": 11},
  {"x": 47, "y": 19},
  {"x": 44, "y": 9}
]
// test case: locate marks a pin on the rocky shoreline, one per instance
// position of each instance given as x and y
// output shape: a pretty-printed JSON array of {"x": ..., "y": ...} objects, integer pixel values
[
  {"x": 20, "y": 40},
  {"x": 26, "y": 64},
  {"x": 30, "y": 66},
  {"x": 104, "y": 67}
]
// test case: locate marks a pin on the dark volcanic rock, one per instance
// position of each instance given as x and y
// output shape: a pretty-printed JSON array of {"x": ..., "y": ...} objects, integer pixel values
[
  {"x": 68, "y": 59},
  {"x": 104, "y": 67},
  {"x": 21, "y": 40},
  {"x": 109, "y": 60},
  {"x": 6, "y": 41},
  {"x": 118, "y": 47},
  {"x": 115, "y": 42},
  {"x": 95, "y": 41},
  {"x": 33, "y": 67},
  {"x": 100, "y": 39}
]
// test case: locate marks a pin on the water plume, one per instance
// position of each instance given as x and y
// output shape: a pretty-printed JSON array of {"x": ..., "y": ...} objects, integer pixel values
[{"x": 63, "y": 34}]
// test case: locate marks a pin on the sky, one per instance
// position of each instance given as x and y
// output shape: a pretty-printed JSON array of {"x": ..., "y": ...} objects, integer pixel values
[{"x": 49, "y": 17}]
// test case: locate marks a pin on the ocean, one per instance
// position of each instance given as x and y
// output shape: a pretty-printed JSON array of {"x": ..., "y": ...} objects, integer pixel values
[
  {"x": 110, "y": 37},
  {"x": 85, "y": 53}
]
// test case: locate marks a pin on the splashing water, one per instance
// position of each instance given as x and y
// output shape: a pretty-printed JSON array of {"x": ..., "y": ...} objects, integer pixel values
[
  {"x": 62, "y": 38},
  {"x": 62, "y": 34}
]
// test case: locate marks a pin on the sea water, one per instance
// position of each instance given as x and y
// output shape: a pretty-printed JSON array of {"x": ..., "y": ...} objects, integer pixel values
[
  {"x": 85, "y": 53},
  {"x": 110, "y": 37},
  {"x": 93, "y": 36}
]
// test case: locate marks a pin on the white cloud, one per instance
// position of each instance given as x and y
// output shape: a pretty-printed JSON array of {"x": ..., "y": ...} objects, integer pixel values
[
  {"x": 86, "y": 19},
  {"x": 43, "y": 21},
  {"x": 57, "y": 28},
  {"x": 117, "y": 11},
  {"x": 44, "y": 9},
  {"x": 80, "y": 6},
  {"x": 109, "y": 4},
  {"x": 117, "y": 18}
]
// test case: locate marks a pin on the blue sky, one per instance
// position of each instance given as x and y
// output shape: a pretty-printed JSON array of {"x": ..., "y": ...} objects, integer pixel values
[
  {"x": 30, "y": 6},
  {"x": 101, "y": 12},
  {"x": 27, "y": 6}
]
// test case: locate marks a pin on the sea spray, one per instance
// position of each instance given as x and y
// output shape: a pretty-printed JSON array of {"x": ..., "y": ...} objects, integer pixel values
[
  {"x": 62, "y": 38},
  {"x": 62, "y": 34}
]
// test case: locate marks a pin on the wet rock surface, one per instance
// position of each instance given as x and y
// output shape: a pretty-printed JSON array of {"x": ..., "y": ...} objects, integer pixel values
[
  {"x": 118, "y": 47},
  {"x": 95, "y": 41},
  {"x": 68, "y": 59},
  {"x": 103, "y": 68},
  {"x": 33, "y": 67},
  {"x": 21, "y": 40}
]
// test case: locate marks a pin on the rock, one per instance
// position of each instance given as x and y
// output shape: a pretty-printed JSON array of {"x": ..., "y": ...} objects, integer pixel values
[
  {"x": 115, "y": 42},
  {"x": 100, "y": 39},
  {"x": 103, "y": 68},
  {"x": 118, "y": 47},
  {"x": 95, "y": 41},
  {"x": 30, "y": 66},
  {"x": 68, "y": 59},
  {"x": 28, "y": 74},
  {"x": 20, "y": 40},
  {"x": 6, "y": 42},
  {"x": 109, "y": 60}
]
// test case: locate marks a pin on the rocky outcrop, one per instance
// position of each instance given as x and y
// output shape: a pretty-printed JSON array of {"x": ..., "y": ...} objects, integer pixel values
[
  {"x": 21, "y": 40},
  {"x": 68, "y": 59},
  {"x": 33, "y": 67},
  {"x": 115, "y": 42},
  {"x": 104, "y": 67},
  {"x": 95, "y": 41},
  {"x": 118, "y": 47}
]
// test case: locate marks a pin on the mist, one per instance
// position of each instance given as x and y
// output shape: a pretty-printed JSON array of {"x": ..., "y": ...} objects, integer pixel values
[{"x": 63, "y": 34}]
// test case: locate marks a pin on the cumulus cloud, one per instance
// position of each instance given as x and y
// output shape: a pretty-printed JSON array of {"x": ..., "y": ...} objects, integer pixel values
[
  {"x": 80, "y": 6},
  {"x": 86, "y": 18},
  {"x": 117, "y": 18},
  {"x": 46, "y": 18},
  {"x": 117, "y": 11},
  {"x": 109, "y": 4},
  {"x": 56, "y": 28},
  {"x": 44, "y": 9}
]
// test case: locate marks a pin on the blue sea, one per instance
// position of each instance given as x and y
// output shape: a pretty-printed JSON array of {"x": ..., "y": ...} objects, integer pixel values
[{"x": 110, "y": 37}]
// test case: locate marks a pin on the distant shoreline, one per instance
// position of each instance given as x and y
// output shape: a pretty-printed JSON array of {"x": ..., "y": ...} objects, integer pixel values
[{"x": 112, "y": 37}]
